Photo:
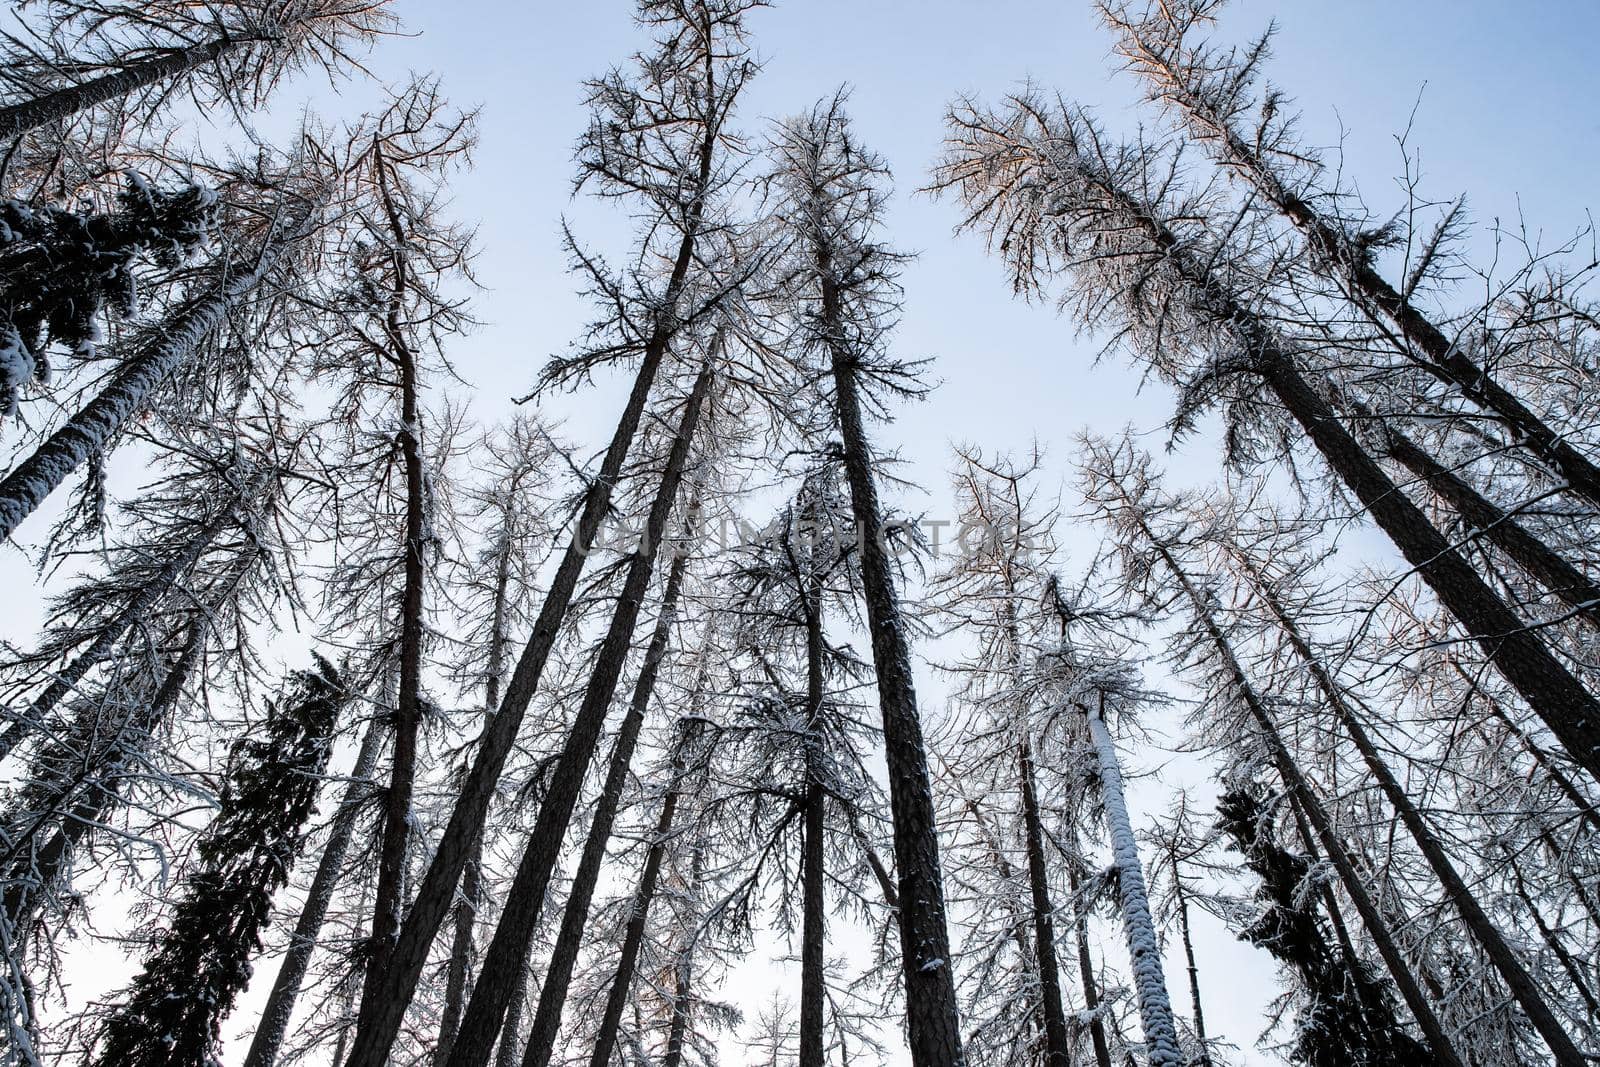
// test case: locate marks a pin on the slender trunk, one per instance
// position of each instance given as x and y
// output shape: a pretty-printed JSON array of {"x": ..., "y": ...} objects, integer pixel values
[
  {"x": 638, "y": 919},
  {"x": 384, "y": 1003},
  {"x": 274, "y": 1023},
  {"x": 1311, "y": 807},
  {"x": 880, "y": 872},
  {"x": 466, "y": 914},
  {"x": 1584, "y": 807},
  {"x": 1560, "y": 700},
  {"x": 398, "y": 816},
  {"x": 92, "y": 428},
  {"x": 58, "y": 104},
  {"x": 814, "y": 918},
  {"x": 933, "y": 1016},
  {"x": 683, "y": 981},
  {"x": 1551, "y": 939},
  {"x": 1518, "y": 981},
  {"x": 160, "y": 585},
  {"x": 1091, "y": 992},
  {"x": 486, "y": 1009},
  {"x": 1542, "y": 563},
  {"x": 1144, "y": 950},
  {"x": 1204, "y": 1057},
  {"x": 575, "y": 919},
  {"x": 1370, "y": 291},
  {"x": 1058, "y": 1048},
  {"x": 97, "y": 785},
  {"x": 509, "y": 1052}
]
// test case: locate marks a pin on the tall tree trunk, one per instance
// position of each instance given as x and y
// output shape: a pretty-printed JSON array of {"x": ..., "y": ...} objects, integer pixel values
[
  {"x": 683, "y": 983},
  {"x": 1091, "y": 991},
  {"x": 384, "y": 1003},
  {"x": 17, "y": 119},
  {"x": 509, "y": 1052},
  {"x": 176, "y": 343},
  {"x": 398, "y": 816},
  {"x": 933, "y": 1016},
  {"x": 813, "y": 909},
  {"x": 1560, "y": 700},
  {"x": 82, "y": 801},
  {"x": 575, "y": 919},
  {"x": 1301, "y": 791},
  {"x": 1420, "y": 339},
  {"x": 1144, "y": 949},
  {"x": 486, "y": 1009},
  {"x": 466, "y": 914},
  {"x": 639, "y": 912},
  {"x": 1543, "y": 564},
  {"x": 160, "y": 584},
  {"x": 1521, "y": 984},
  {"x": 274, "y": 1023},
  {"x": 1203, "y": 1059},
  {"x": 1058, "y": 1047}
]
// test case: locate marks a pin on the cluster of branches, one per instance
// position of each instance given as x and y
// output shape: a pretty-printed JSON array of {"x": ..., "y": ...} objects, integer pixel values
[{"x": 518, "y": 860}]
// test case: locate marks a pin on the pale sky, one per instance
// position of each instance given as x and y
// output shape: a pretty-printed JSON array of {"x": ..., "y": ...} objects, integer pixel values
[{"x": 1504, "y": 111}]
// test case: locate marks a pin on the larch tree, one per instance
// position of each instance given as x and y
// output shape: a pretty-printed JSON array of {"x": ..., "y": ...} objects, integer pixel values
[
  {"x": 842, "y": 297},
  {"x": 660, "y": 140}
]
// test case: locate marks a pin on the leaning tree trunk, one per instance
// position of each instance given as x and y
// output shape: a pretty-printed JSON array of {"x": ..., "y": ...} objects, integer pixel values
[
  {"x": 1377, "y": 928},
  {"x": 1203, "y": 1056},
  {"x": 96, "y": 783},
  {"x": 1524, "y": 989},
  {"x": 466, "y": 915},
  {"x": 176, "y": 343},
  {"x": 160, "y": 584},
  {"x": 932, "y": 1013},
  {"x": 384, "y": 1003},
  {"x": 501, "y": 965},
  {"x": 274, "y": 1023},
  {"x": 1549, "y": 568},
  {"x": 1353, "y": 266},
  {"x": 605, "y": 1041},
  {"x": 575, "y": 919},
  {"x": 1565, "y": 705},
  {"x": 683, "y": 985},
  {"x": 1058, "y": 1047},
  {"x": 17, "y": 119},
  {"x": 1144, "y": 950}
]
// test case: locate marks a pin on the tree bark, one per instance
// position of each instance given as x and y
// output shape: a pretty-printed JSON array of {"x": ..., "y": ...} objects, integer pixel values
[
  {"x": 466, "y": 914},
  {"x": 932, "y": 1013},
  {"x": 813, "y": 909},
  {"x": 18, "y": 119},
  {"x": 398, "y": 816},
  {"x": 1301, "y": 791},
  {"x": 1058, "y": 1047},
  {"x": 486, "y": 1009},
  {"x": 1518, "y": 981},
  {"x": 383, "y": 1009},
  {"x": 638, "y": 917},
  {"x": 575, "y": 919},
  {"x": 91, "y": 429},
  {"x": 1144, "y": 950},
  {"x": 274, "y": 1023},
  {"x": 1091, "y": 992},
  {"x": 1560, "y": 700},
  {"x": 1204, "y": 1057}
]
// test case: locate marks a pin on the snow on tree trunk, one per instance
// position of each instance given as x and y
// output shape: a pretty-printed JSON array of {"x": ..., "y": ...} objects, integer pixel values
[
  {"x": 88, "y": 433},
  {"x": 1150, "y": 983}
]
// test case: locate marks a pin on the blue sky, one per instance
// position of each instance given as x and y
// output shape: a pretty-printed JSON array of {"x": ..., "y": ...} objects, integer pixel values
[{"x": 1504, "y": 112}]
